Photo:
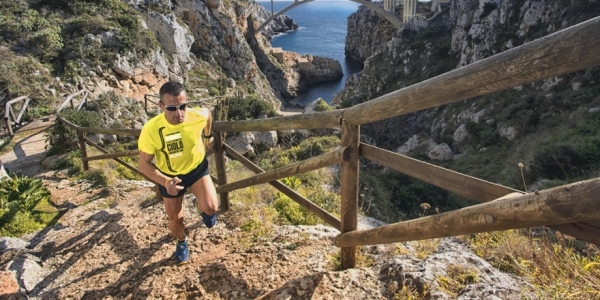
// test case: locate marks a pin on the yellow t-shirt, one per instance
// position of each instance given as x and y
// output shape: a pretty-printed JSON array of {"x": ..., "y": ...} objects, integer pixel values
[{"x": 178, "y": 149}]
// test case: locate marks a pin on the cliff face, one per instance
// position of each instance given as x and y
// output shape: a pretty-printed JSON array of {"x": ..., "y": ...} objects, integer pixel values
[{"x": 463, "y": 33}]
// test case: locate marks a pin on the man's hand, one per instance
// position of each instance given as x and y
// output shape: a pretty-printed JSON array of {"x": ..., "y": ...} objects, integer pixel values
[
  {"x": 173, "y": 186},
  {"x": 208, "y": 143}
]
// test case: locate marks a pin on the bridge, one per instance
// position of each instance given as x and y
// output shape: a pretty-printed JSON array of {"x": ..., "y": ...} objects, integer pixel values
[{"x": 387, "y": 11}]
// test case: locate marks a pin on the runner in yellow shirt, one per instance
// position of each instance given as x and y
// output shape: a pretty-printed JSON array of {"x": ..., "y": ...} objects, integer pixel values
[{"x": 176, "y": 140}]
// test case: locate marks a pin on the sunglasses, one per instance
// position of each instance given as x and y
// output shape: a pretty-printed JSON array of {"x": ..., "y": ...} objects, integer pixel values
[{"x": 175, "y": 107}]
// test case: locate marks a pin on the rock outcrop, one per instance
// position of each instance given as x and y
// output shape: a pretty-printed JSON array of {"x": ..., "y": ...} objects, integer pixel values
[
  {"x": 322, "y": 69},
  {"x": 463, "y": 33}
]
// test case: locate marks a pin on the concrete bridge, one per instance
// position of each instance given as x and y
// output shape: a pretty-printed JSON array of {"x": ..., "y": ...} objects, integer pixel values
[{"x": 387, "y": 11}]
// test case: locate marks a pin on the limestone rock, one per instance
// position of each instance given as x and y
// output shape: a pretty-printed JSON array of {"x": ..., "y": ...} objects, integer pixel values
[
  {"x": 175, "y": 39},
  {"x": 507, "y": 132},
  {"x": 323, "y": 69},
  {"x": 10, "y": 243},
  {"x": 266, "y": 139},
  {"x": 415, "y": 142},
  {"x": 242, "y": 143},
  {"x": 460, "y": 135},
  {"x": 440, "y": 152},
  {"x": 28, "y": 270},
  {"x": 8, "y": 284},
  {"x": 50, "y": 162}
]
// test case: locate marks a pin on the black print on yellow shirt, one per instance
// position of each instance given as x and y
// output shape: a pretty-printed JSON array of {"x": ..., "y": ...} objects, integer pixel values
[{"x": 174, "y": 145}]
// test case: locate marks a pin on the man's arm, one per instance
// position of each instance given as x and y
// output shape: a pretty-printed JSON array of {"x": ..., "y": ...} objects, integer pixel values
[
  {"x": 146, "y": 166},
  {"x": 207, "y": 131},
  {"x": 150, "y": 170}
]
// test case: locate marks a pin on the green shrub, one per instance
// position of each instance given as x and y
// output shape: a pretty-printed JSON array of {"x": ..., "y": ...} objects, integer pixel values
[
  {"x": 484, "y": 133},
  {"x": 557, "y": 162},
  {"x": 322, "y": 105},
  {"x": 213, "y": 91},
  {"x": 296, "y": 214},
  {"x": 20, "y": 196},
  {"x": 248, "y": 108},
  {"x": 24, "y": 76},
  {"x": 63, "y": 138},
  {"x": 37, "y": 112}
]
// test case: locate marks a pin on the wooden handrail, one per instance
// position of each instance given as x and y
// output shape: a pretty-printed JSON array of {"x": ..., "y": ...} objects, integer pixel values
[
  {"x": 69, "y": 99},
  {"x": 309, "y": 205},
  {"x": 112, "y": 155},
  {"x": 329, "y": 119},
  {"x": 565, "y": 51},
  {"x": 122, "y": 162},
  {"x": 564, "y": 204},
  {"x": 458, "y": 183},
  {"x": 311, "y": 164},
  {"x": 126, "y": 132},
  {"x": 9, "y": 114}
]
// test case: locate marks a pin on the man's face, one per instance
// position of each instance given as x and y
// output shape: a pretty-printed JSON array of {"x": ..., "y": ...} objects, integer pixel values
[{"x": 171, "y": 106}]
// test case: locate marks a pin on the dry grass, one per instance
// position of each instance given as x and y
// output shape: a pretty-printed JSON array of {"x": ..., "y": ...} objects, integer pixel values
[
  {"x": 555, "y": 265},
  {"x": 422, "y": 249}
]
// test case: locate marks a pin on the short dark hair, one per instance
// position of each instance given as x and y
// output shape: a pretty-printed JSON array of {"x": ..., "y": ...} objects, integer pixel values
[{"x": 172, "y": 88}]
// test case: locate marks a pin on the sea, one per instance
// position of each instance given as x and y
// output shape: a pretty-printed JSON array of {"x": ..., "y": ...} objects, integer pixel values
[{"x": 322, "y": 32}]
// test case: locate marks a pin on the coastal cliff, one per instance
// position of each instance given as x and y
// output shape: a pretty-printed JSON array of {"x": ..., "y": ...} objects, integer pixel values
[{"x": 543, "y": 125}]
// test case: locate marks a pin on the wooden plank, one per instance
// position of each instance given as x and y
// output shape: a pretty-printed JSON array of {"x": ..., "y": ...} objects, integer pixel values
[
  {"x": 8, "y": 104},
  {"x": 466, "y": 186},
  {"x": 82, "y": 147},
  {"x": 23, "y": 109},
  {"x": 328, "y": 119},
  {"x": 112, "y": 155},
  {"x": 127, "y": 132},
  {"x": 577, "y": 202},
  {"x": 350, "y": 174},
  {"x": 130, "y": 167},
  {"x": 9, "y": 127},
  {"x": 83, "y": 101},
  {"x": 122, "y": 162},
  {"x": 221, "y": 169},
  {"x": 461, "y": 184},
  {"x": 566, "y": 51},
  {"x": 67, "y": 122},
  {"x": 588, "y": 231},
  {"x": 69, "y": 99},
  {"x": 314, "y": 163},
  {"x": 309, "y": 205}
]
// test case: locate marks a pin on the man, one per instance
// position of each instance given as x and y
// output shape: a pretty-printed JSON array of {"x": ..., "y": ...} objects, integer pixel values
[{"x": 177, "y": 138}]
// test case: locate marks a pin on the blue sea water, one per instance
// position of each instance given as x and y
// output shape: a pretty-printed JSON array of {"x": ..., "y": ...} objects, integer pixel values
[{"x": 322, "y": 32}]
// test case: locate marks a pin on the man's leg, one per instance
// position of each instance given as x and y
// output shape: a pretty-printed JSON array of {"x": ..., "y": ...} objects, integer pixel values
[
  {"x": 174, "y": 209},
  {"x": 206, "y": 195}
]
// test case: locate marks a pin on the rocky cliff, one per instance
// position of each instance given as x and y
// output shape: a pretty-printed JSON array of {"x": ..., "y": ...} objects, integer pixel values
[
  {"x": 209, "y": 45},
  {"x": 461, "y": 34},
  {"x": 545, "y": 126}
]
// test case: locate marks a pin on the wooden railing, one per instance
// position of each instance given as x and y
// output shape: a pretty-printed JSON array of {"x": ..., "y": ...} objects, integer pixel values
[
  {"x": 573, "y": 209},
  {"x": 9, "y": 115},
  {"x": 147, "y": 100},
  {"x": 83, "y": 141},
  {"x": 211, "y": 101}
]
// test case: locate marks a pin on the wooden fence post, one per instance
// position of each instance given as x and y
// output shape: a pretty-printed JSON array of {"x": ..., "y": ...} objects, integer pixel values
[
  {"x": 82, "y": 146},
  {"x": 350, "y": 173},
  {"x": 221, "y": 172},
  {"x": 9, "y": 127}
]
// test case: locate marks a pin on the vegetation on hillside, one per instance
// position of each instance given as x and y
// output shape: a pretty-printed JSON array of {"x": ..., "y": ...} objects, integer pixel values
[
  {"x": 24, "y": 206},
  {"x": 49, "y": 47}
]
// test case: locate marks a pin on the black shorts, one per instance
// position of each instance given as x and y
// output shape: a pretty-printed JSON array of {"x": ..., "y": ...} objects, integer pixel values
[{"x": 187, "y": 180}]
